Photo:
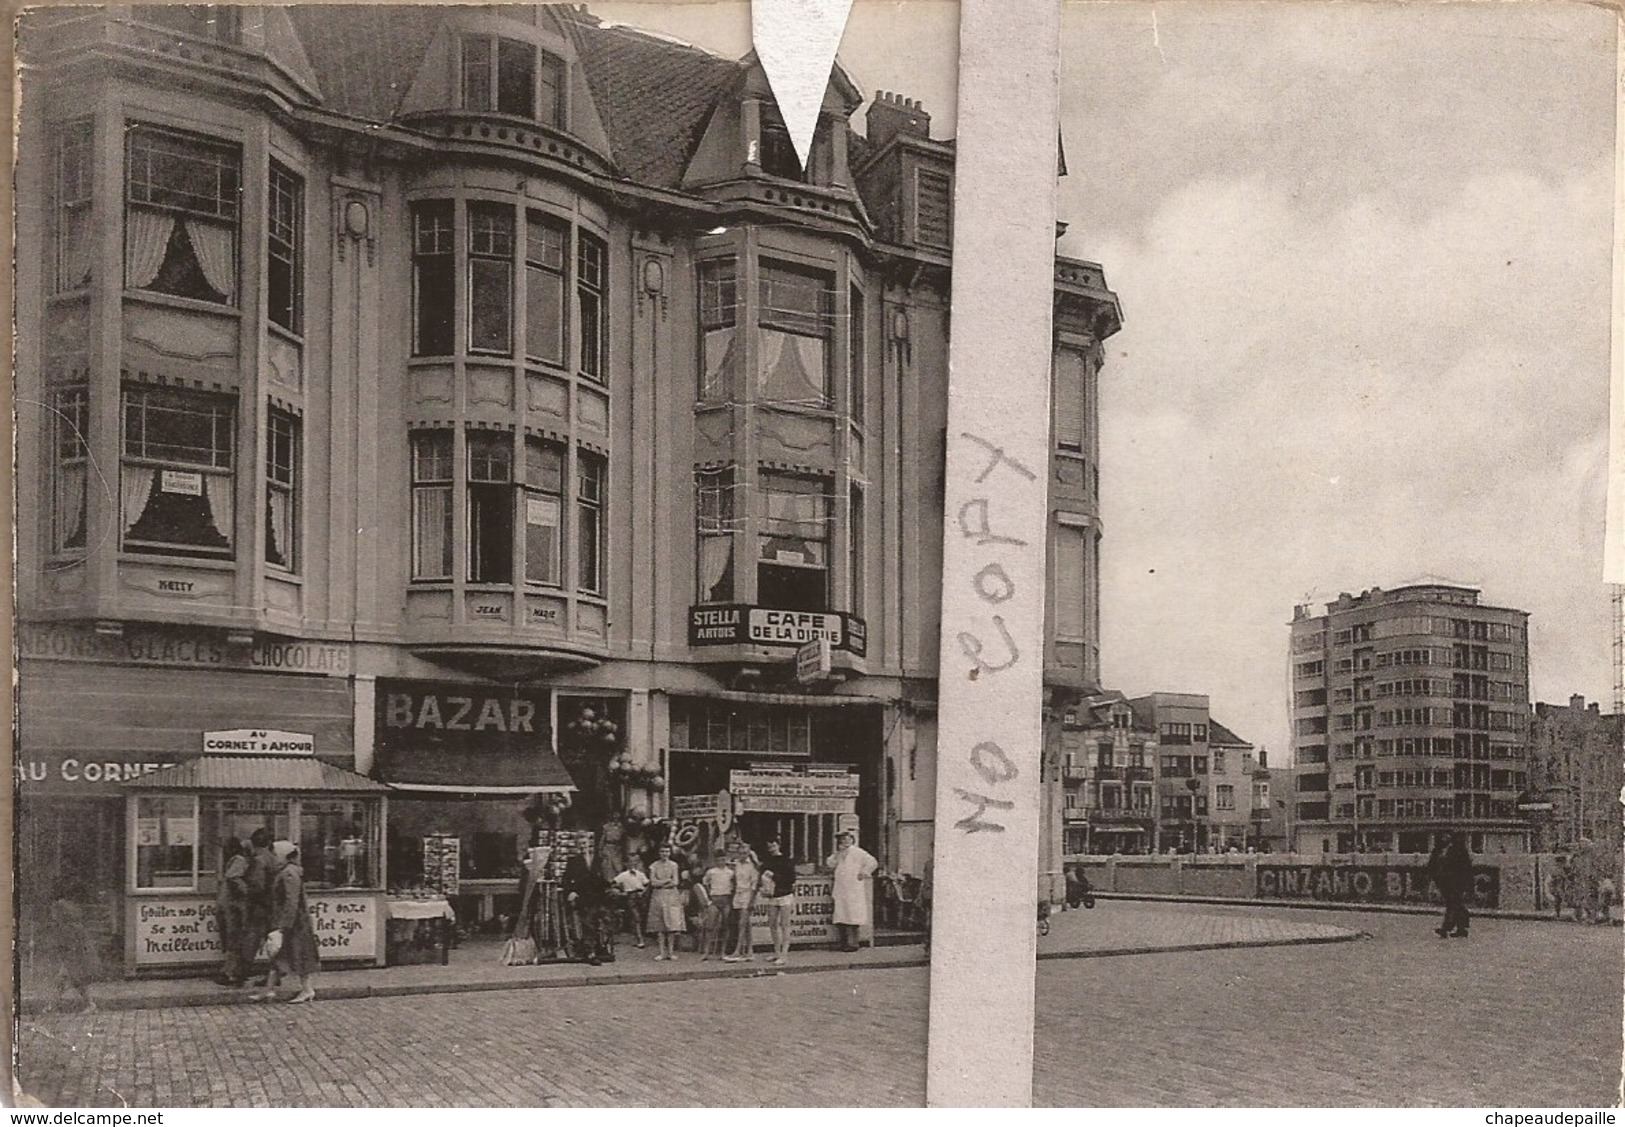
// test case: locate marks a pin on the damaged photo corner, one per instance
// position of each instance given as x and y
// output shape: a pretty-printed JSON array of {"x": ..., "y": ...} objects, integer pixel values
[{"x": 515, "y": 458}]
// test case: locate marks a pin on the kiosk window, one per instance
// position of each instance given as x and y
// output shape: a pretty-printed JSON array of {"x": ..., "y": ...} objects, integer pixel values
[{"x": 166, "y": 842}]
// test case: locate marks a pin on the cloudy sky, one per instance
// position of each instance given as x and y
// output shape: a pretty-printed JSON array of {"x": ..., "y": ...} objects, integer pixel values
[{"x": 1363, "y": 253}]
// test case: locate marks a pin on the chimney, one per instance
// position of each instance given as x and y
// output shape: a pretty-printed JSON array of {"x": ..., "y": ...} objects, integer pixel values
[
  {"x": 1578, "y": 702},
  {"x": 892, "y": 114}
]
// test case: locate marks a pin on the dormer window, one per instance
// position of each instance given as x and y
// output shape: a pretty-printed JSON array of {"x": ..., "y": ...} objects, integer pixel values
[{"x": 509, "y": 76}]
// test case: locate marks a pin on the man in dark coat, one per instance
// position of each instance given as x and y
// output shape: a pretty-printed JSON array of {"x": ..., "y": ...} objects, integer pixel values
[
  {"x": 1451, "y": 867},
  {"x": 262, "y": 870},
  {"x": 587, "y": 893}
]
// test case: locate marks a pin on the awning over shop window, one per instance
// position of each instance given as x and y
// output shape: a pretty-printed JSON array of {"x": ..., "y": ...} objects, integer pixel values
[
  {"x": 255, "y": 772},
  {"x": 532, "y": 770}
]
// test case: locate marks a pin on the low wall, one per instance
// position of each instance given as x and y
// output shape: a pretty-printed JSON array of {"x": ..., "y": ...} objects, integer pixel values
[{"x": 1507, "y": 881}]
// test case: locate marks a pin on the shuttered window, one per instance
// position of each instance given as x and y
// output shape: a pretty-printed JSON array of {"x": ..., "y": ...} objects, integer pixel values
[
  {"x": 1067, "y": 396},
  {"x": 933, "y": 209},
  {"x": 1069, "y": 582}
]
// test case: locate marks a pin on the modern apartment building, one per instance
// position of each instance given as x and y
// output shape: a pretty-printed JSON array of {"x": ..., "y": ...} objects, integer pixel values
[{"x": 1409, "y": 717}]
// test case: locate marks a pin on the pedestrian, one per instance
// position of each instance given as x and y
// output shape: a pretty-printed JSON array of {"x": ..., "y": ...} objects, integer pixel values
[
  {"x": 718, "y": 883},
  {"x": 586, "y": 890},
  {"x": 231, "y": 912},
  {"x": 70, "y": 951},
  {"x": 1563, "y": 885},
  {"x": 632, "y": 886},
  {"x": 778, "y": 892},
  {"x": 665, "y": 903},
  {"x": 291, "y": 941},
  {"x": 1605, "y": 900},
  {"x": 262, "y": 869},
  {"x": 1451, "y": 867},
  {"x": 854, "y": 870},
  {"x": 747, "y": 878}
]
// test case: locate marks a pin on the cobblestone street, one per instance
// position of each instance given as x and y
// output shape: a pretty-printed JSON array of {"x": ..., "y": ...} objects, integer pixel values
[{"x": 1523, "y": 1012}]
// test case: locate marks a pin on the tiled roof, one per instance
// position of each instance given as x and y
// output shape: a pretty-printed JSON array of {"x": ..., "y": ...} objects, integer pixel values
[
  {"x": 365, "y": 56},
  {"x": 654, "y": 96},
  {"x": 1217, "y": 733},
  {"x": 256, "y": 772}
]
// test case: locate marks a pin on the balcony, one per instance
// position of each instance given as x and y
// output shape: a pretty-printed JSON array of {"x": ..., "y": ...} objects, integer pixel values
[{"x": 1074, "y": 774}]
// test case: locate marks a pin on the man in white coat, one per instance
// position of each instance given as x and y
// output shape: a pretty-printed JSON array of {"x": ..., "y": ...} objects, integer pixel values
[{"x": 854, "y": 869}]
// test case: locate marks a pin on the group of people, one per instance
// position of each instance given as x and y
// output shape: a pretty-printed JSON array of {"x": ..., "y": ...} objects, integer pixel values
[
  {"x": 710, "y": 897},
  {"x": 260, "y": 911}
]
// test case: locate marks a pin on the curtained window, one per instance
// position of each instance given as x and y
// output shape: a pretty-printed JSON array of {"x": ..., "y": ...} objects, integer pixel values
[
  {"x": 178, "y": 486},
  {"x": 281, "y": 489},
  {"x": 75, "y": 247},
  {"x": 714, "y": 534},
  {"x": 181, "y": 213},
  {"x": 795, "y": 322},
  {"x": 431, "y": 504},
  {"x": 792, "y": 570},
  {"x": 70, "y": 458},
  {"x": 719, "y": 313}
]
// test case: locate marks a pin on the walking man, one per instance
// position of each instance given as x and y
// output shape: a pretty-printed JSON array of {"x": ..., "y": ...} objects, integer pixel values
[{"x": 1451, "y": 867}]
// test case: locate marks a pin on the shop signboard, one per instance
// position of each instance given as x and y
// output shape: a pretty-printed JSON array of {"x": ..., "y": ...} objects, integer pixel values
[
  {"x": 166, "y": 931},
  {"x": 258, "y": 741},
  {"x": 443, "y": 863},
  {"x": 740, "y": 624},
  {"x": 813, "y": 919},
  {"x": 762, "y": 784},
  {"x": 177, "y": 647},
  {"x": 1370, "y": 884},
  {"x": 698, "y": 807},
  {"x": 813, "y": 662}
]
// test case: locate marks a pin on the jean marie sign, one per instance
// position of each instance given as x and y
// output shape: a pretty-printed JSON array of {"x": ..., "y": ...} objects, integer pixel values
[
  {"x": 739, "y": 625},
  {"x": 1370, "y": 884}
]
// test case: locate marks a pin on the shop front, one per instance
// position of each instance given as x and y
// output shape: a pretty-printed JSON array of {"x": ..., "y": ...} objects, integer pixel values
[
  {"x": 798, "y": 768},
  {"x": 474, "y": 770},
  {"x": 178, "y": 817}
]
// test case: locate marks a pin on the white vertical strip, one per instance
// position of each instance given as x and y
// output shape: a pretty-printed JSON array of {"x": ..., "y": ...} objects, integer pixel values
[
  {"x": 1613, "y": 559},
  {"x": 984, "y": 938}
]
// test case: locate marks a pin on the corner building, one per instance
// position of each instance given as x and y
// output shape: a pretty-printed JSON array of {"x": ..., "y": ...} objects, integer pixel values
[
  {"x": 1410, "y": 719},
  {"x": 488, "y": 393}
]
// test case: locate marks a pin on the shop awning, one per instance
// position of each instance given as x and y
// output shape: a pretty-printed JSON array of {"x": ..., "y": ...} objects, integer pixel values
[
  {"x": 256, "y": 772},
  {"x": 533, "y": 770}
]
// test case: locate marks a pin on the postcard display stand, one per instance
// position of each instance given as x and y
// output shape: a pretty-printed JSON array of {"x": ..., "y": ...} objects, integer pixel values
[{"x": 545, "y": 920}]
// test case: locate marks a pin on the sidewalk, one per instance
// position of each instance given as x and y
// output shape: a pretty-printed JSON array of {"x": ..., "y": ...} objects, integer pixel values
[
  {"x": 475, "y": 966},
  {"x": 1335, "y": 905}
]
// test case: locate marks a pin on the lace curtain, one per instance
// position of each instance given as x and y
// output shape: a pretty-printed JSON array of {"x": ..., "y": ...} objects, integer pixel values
[
  {"x": 69, "y": 517},
  {"x": 75, "y": 249},
  {"x": 793, "y": 369},
  {"x": 136, "y": 489},
  {"x": 716, "y": 553},
  {"x": 220, "y": 494},
  {"x": 147, "y": 235},
  {"x": 216, "y": 256},
  {"x": 720, "y": 359}
]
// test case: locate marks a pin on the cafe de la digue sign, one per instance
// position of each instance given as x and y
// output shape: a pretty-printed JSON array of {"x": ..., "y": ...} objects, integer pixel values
[{"x": 740, "y": 625}]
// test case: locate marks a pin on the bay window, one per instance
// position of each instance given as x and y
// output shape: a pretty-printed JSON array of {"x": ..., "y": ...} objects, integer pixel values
[
  {"x": 795, "y": 322},
  {"x": 792, "y": 570},
  {"x": 177, "y": 488},
  {"x": 719, "y": 311},
  {"x": 281, "y": 489},
  {"x": 714, "y": 531},
  {"x": 181, "y": 214},
  {"x": 75, "y": 247},
  {"x": 590, "y": 474},
  {"x": 544, "y": 512},
  {"x": 70, "y": 461},
  {"x": 431, "y": 504},
  {"x": 434, "y": 282},
  {"x": 284, "y": 249},
  {"x": 490, "y": 507}
]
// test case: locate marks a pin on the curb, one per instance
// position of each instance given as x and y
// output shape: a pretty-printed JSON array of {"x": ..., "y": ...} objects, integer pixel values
[
  {"x": 199, "y": 999},
  {"x": 1333, "y": 906}
]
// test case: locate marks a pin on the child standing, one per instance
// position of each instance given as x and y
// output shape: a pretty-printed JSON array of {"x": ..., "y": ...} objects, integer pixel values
[
  {"x": 746, "y": 877},
  {"x": 718, "y": 883},
  {"x": 632, "y": 886}
]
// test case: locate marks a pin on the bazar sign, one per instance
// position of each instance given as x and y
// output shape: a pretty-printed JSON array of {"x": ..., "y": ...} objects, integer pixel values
[
  {"x": 170, "y": 930},
  {"x": 1370, "y": 883},
  {"x": 257, "y": 741},
  {"x": 157, "y": 646},
  {"x": 769, "y": 626},
  {"x": 414, "y": 712}
]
